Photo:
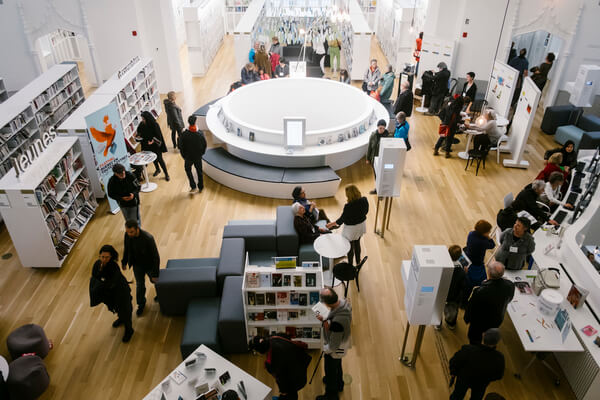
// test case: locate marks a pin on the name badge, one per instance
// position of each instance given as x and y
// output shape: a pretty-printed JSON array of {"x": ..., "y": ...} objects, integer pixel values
[{"x": 514, "y": 249}]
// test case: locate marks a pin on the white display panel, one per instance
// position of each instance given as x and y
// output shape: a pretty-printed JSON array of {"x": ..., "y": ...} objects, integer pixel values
[
  {"x": 586, "y": 86},
  {"x": 522, "y": 121},
  {"x": 434, "y": 51},
  {"x": 501, "y": 88},
  {"x": 294, "y": 130}
]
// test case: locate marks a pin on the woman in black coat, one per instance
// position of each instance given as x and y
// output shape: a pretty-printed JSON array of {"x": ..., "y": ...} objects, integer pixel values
[
  {"x": 151, "y": 136},
  {"x": 450, "y": 116},
  {"x": 109, "y": 286}
]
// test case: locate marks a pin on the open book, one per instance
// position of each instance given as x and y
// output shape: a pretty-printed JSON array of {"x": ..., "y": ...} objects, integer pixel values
[{"x": 321, "y": 309}]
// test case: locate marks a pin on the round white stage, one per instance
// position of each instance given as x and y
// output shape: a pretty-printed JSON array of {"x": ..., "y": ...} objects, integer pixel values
[{"x": 339, "y": 120}]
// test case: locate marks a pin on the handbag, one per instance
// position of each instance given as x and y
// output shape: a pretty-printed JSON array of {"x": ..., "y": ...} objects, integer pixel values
[
  {"x": 548, "y": 278},
  {"x": 364, "y": 86},
  {"x": 443, "y": 130}
]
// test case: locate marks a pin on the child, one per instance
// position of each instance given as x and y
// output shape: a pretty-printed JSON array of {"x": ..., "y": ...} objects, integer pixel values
[{"x": 455, "y": 292}]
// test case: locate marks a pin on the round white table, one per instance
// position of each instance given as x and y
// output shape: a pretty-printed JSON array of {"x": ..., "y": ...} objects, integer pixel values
[
  {"x": 4, "y": 368},
  {"x": 143, "y": 158},
  {"x": 332, "y": 245},
  {"x": 470, "y": 133}
]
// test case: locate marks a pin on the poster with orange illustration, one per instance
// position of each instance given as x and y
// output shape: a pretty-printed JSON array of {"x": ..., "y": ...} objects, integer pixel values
[{"x": 108, "y": 143}]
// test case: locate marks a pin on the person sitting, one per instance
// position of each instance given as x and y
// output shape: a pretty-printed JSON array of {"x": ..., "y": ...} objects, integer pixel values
[
  {"x": 569, "y": 159},
  {"x": 402, "y": 128},
  {"x": 282, "y": 70},
  {"x": 554, "y": 162},
  {"x": 488, "y": 126},
  {"x": 527, "y": 201},
  {"x": 262, "y": 76},
  {"x": 315, "y": 215},
  {"x": 469, "y": 90},
  {"x": 306, "y": 230},
  {"x": 249, "y": 75},
  {"x": 516, "y": 245},
  {"x": 552, "y": 192}
]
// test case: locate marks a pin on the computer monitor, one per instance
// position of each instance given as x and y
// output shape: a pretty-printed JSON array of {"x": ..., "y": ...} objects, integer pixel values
[
  {"x": 294, "y": 132},
  {"x": 594, "y": 162}
]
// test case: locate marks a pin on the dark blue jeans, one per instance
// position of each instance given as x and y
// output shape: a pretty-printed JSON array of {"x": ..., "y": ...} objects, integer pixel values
[
  {"x": 333, "y": 377},
  {"x": 140, "y": 284}
]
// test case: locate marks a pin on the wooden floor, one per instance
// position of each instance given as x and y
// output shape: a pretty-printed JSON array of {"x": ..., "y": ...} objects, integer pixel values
[{"x": 439, "y": 204}]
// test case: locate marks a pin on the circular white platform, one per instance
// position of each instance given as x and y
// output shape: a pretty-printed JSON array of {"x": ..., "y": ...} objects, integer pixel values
[{"x": 339, "y": 119}]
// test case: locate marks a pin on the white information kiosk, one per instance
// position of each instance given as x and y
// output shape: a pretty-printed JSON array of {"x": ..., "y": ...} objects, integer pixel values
[
  {"x": 426, "y": 282},
  {"x": 388, "y": 166}
]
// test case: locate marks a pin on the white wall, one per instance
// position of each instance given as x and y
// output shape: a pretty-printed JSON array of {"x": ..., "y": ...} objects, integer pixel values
[{"x": 179, "y": 21}]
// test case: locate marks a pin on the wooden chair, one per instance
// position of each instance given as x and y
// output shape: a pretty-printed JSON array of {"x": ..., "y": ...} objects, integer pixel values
[{"x": 479, "y": 152}]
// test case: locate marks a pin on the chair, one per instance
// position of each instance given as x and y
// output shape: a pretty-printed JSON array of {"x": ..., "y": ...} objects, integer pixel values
[
  {"x": 508, "y": 200},
  {"x": 346, "y": 272},
  {"x": 498, "y": 147},
  {"x": 479, "y": 152},
  {"x": 478, "y": 106}
]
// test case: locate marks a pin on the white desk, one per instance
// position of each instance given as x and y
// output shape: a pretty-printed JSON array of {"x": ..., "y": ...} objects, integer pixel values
[
  {"x": 255, "y": 389},
  {"x": 332, "y": 245},
  {"x": 143, "y": 158}
]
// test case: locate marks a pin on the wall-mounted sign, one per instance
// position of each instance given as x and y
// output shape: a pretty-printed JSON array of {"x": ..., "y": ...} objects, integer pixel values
[
  {"x": 126, "y": 68},
  {"x": 21, "y": 162}
]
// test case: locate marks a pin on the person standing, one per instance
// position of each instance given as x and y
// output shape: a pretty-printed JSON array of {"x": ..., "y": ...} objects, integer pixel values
[
  {"x": 193, "y": 147},
  {"x": 469, "y": 90},
  {"x": 174, "y": 118},
  {"x": 287, "y": 360},
  {"x": 440, "y": 88},
  {"x": 109, "y": 286},
  {"x": 149, "y": 133},
  {"x": 334, "y": 47},
  {"x": 521, "y": 64},
  {"x": 478, "y": 242},
  {"x": 354, "y": 218},
  {"x": 124, "y": 188},
  {"x": 540, "y": 75},
  {"x": 404, "y": 101},
  {"x": 372, "y": 77},
  {"x": 336, "y": 337},
  {"x": 276, "y": 47},
  {"x": 373, "y": 149},
  {"x": 516, "y": 244},
  {"x": 261, "y": 60},
  {"x": 252, "y": 52},
  {"x": 387, "y": 85},
  {"x": 402, "y": 127},
  {"x": 450, "y": 117},
  {"x": 140, "y": 253},
  {"x": 417, "y": 52},
  {"x": 456, "y": 290},
  {"x": 488, "y": 302},
  {"x": 474, "y": 366}
]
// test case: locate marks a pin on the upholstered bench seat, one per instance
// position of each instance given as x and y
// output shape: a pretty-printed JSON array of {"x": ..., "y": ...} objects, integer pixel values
[{"x": 201, "y": 325}]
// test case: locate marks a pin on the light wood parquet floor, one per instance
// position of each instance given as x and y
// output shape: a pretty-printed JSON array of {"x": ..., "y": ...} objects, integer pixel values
[{"x": 439, "y": 204}]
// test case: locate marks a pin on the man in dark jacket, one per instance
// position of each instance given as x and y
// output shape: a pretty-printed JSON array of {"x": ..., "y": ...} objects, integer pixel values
[
  {"x": 374, "y": 140},
  {"x": 140, "y": 253},
  {"x": 476, "y": 365},
  {"x": 124, "y": 188},
  {"x": 488, "y": 302},
  {"x": 287, "y": 361},
  {"x": 440, "y": 88},
  {"x": 192, "y": 146},
  {"x": 174, "y": 118},
  {"x": 404, "y": 101},
  {"x": 527, "y": 201}
]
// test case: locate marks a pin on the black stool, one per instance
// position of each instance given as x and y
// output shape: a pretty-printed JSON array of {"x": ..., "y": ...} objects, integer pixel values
[{"x": 346, "y": 272}]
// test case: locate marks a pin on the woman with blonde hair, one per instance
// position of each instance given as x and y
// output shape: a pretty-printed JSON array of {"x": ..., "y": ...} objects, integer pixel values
[
  {"x": 354, "y": 218},
  {"x": 553, "y": 165}
]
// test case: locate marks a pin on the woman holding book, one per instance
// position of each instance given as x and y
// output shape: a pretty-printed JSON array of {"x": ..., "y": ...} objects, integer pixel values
[
  {"x": 354, "y": 218},
  {"x": 151, "y": 137}
]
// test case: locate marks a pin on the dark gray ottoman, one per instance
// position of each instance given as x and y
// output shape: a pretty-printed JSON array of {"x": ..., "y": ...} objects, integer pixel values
[
  {"x": 307, "y": 253},
  {"x": 287, "y": 238},
  {"x": 29, "y": 338},
  {"x": 193, "y": 262},
  {"x": 28, "y": 378},
  {"x": 232, "y": 327},
  {"x": 232, "y": 260},
  {"x": 259, "y": 237},
  {"x": 201, "y": 326},
  {"x": 177, "y": 286}
]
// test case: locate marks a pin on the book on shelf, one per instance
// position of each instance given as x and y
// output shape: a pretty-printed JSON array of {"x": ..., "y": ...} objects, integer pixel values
[
  {"x": 271, "y": 314},
  {"x": 251, "y": 299},
  {"x": 291, "y": 315},
  {"x": 311, "y": 279},
  {"x": 287, "y": 280},
  {"x": 252, "y": 280},
  {"x": 260, "y": 299},
  {"x": 276, "y": 279},
  {"x": 294, "y": 332},
  {"x": 270, "y": 299},
  {"x": 283, "y": 298},
  {"x": 302, "y": 299},
  {"x": 313, "y": 298},
  {"x": 265, "y": 279},
  {"x": 294, "y": 298},
  {"x": 297, "y": 280},
  {"x": 577, "y": 296}
]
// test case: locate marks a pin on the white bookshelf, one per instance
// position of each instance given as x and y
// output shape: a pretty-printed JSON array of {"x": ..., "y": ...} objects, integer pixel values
[
  {"x": 42, "y": 104},
  {"x": 46, "y": 208},
  {"x": 269, "y": 309},
  {"x": 3, "y": 91},
  {"x": 205, "y": 29},
  {"x": 135, "y": 91}
]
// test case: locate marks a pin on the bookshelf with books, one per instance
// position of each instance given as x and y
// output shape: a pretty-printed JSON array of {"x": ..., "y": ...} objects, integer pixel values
[
  {"x": 48, "y": 205},
  {"x": 43, "y": 104},
  {"x": 133, "y": 89},
  {"x": 205, "y": 29},
  {"x": 281, "y": 300}
]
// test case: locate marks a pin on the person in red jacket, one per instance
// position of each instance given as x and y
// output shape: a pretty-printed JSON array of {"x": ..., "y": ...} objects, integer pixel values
[
  {"x": 287, "y": 360},
  {"x": 553, "y": 166}
]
